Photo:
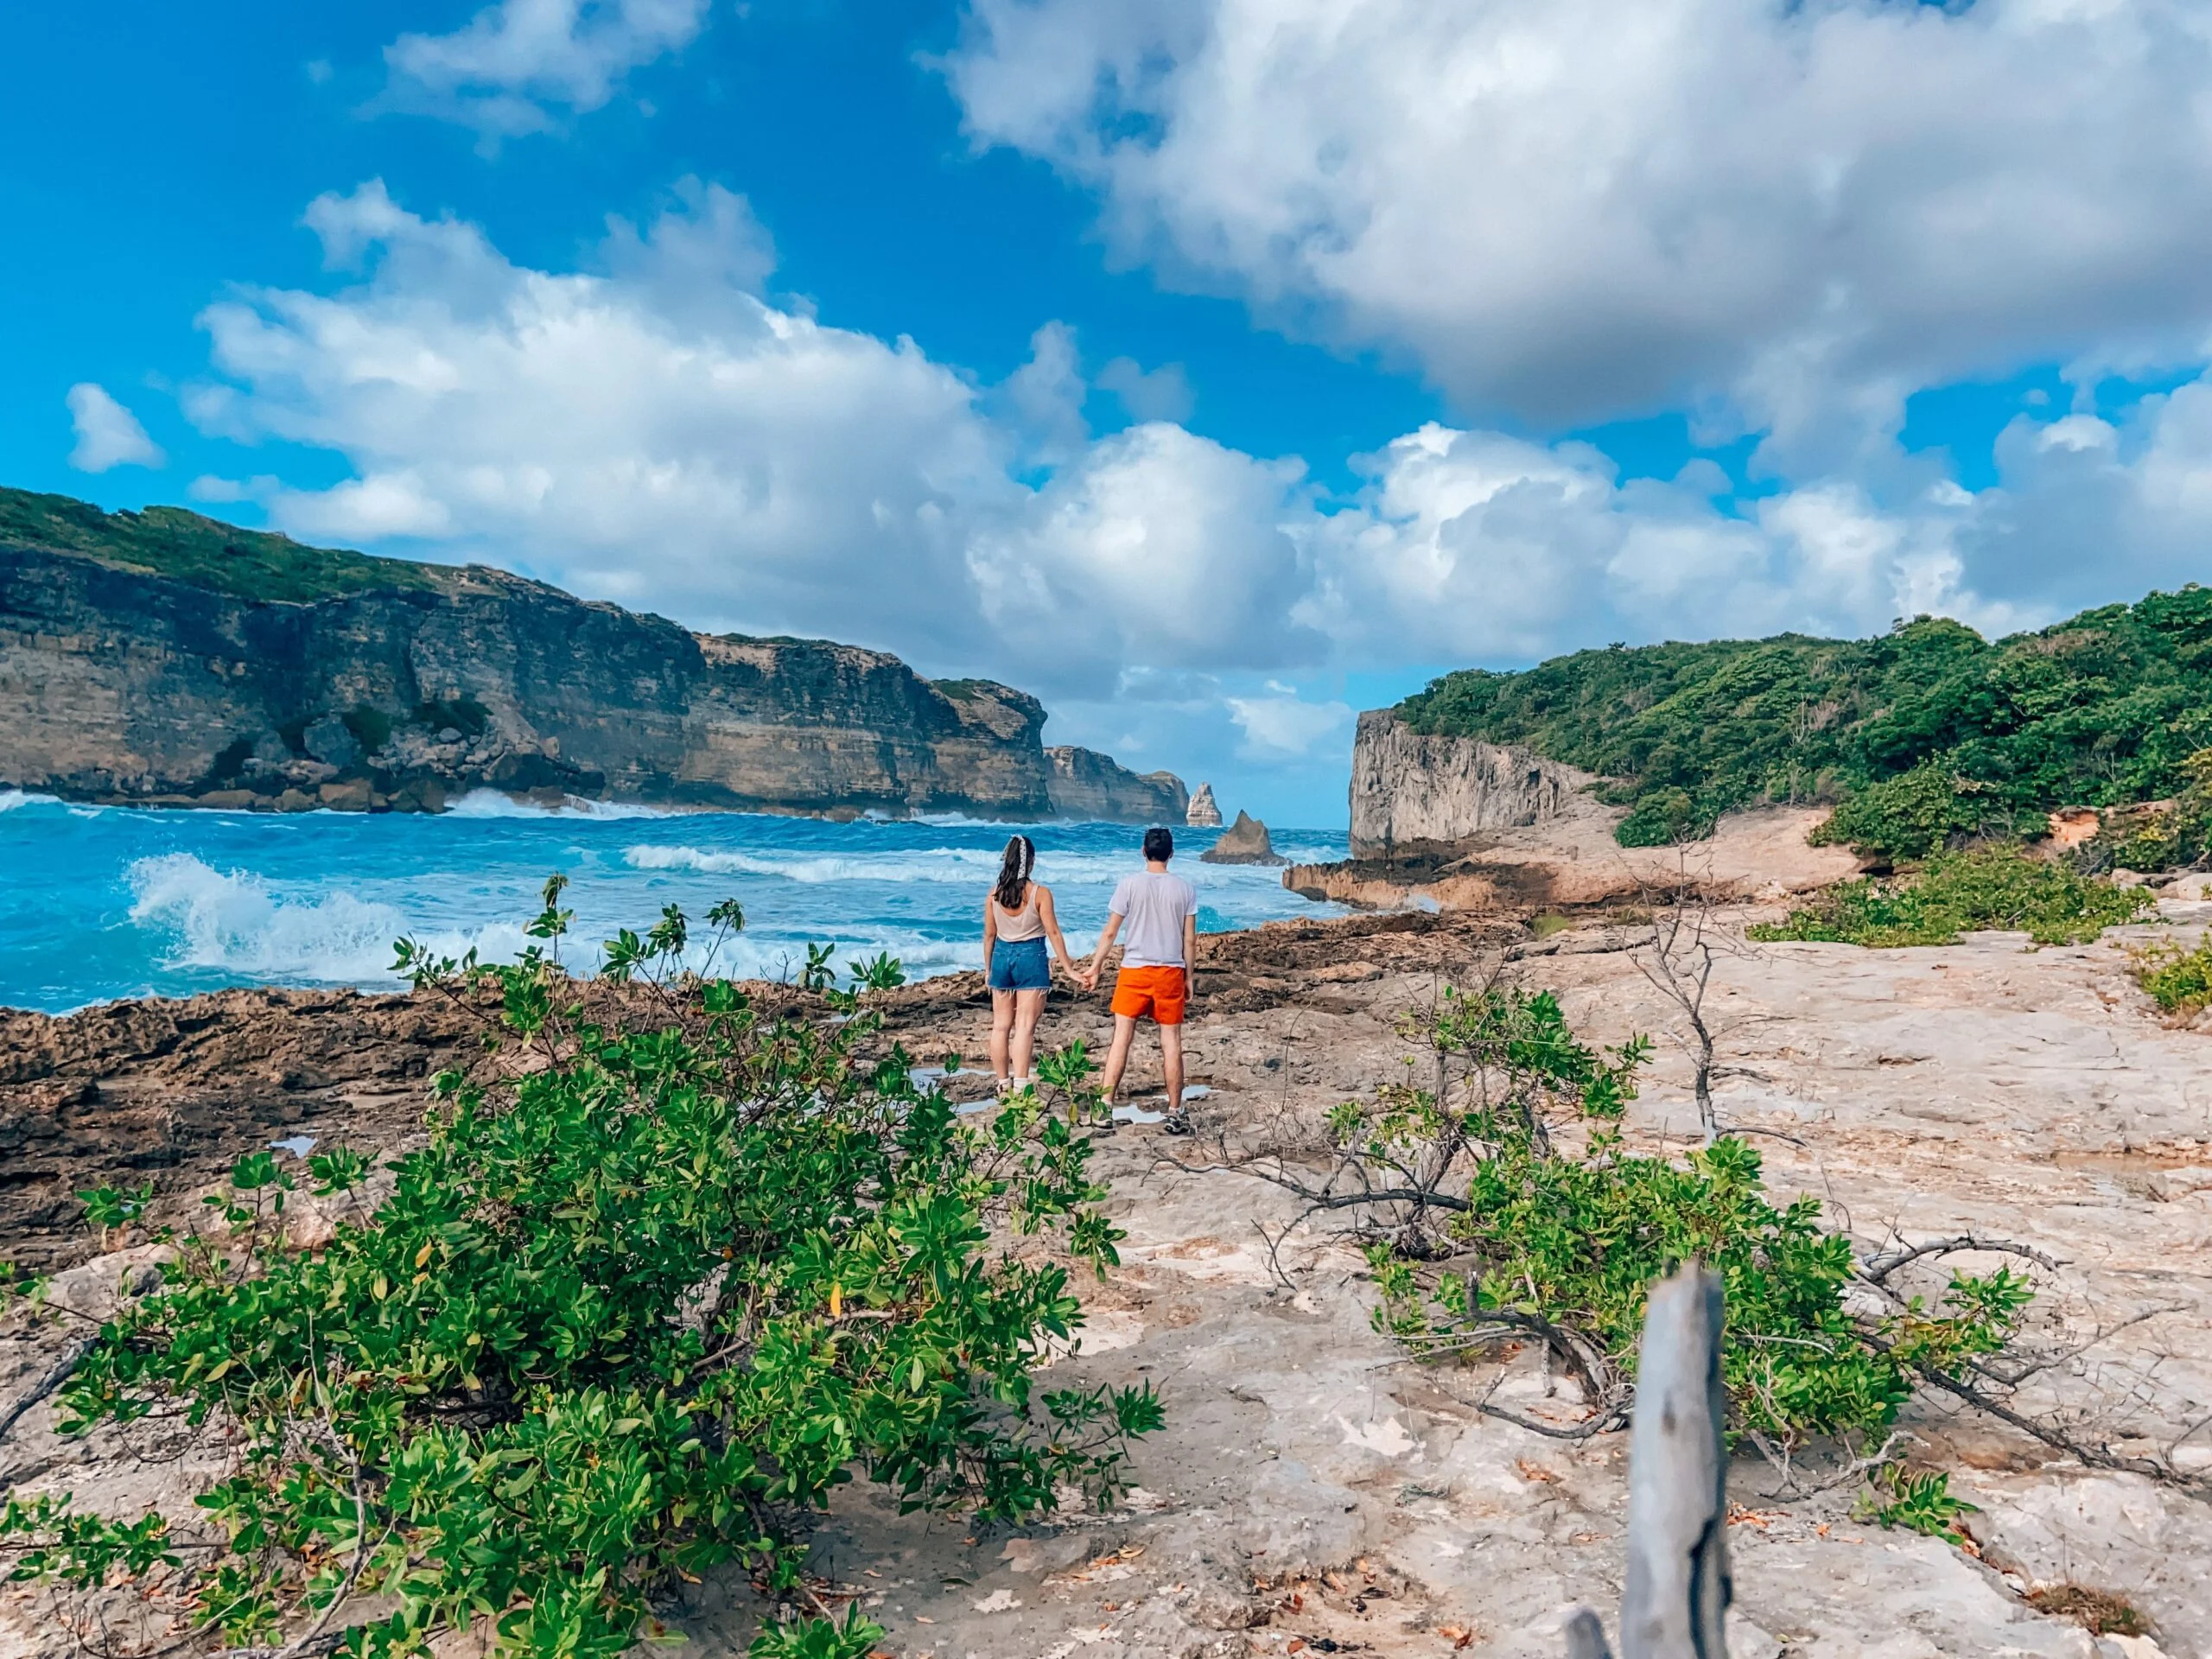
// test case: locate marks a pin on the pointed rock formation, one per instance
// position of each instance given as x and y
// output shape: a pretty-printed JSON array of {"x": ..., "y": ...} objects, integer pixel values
[
  {"x": 1203, "y": 814},
  {"x": 1245, "y": 842}
]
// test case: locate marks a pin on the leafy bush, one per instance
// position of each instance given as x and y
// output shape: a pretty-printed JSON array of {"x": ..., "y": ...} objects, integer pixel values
[
  {"x": 631, "y": 1313},
  {"x": 1910, "y": 816},
  {"x": 1923, "y": 1502},
  {"x": 2158, "y": 836},
  {"x": 1482, "y": 1230},
  {"x": 2100, "y": 710},
  {"x": 1663, "y": 817},
  {"x": 1998, "y": 887},
  {"x": 2179, "y": 981}
]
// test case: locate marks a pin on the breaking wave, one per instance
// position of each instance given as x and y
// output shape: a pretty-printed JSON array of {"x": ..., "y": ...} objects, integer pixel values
[
  {"x": 234, "y": 924},
  {"x": 965, "y": 864},
  {"x": 490, "y": 804}
]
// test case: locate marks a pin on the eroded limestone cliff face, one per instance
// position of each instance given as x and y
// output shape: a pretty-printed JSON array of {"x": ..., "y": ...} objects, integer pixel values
[
  {"x": 1410, "y": 792},
  {"x": 124, "y": 683},
  {"x": 1085, "y": 784}
]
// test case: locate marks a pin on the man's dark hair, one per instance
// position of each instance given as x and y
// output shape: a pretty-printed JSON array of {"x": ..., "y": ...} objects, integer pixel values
[{"x": 1159, "y": 843}]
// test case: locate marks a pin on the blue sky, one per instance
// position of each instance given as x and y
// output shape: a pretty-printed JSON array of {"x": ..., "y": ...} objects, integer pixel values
[{"x": 1214, "y": 368}]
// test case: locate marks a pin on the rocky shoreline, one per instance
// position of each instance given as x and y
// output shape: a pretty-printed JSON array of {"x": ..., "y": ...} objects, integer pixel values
[{"x": 1311, "y": 1486}]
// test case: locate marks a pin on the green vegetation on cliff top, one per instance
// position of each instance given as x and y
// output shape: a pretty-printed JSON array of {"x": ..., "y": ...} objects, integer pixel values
[
  {"x": 1926, "y": 733},
  {"x": 171, "y": 541}
]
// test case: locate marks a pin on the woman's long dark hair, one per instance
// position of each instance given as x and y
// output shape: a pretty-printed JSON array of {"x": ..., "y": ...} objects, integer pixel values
[{"x": 1014, "y": 872}]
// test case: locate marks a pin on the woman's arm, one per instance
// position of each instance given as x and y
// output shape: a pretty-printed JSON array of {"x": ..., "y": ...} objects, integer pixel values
[
  {"x": 991, "y": 931},
  {"x": 1051, "y": 920}
]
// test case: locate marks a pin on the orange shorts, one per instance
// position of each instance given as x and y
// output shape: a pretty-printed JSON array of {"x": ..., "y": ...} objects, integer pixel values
[{"x": 1156, "y": 991}]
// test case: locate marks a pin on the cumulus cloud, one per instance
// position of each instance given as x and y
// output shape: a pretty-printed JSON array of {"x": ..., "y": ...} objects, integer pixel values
[
  {"x": 1161, "y": 394},
  {"x": 503, "y": 71},
  {"x": 658, "y": 437},
  {"x": 1280, "y": 725},
  {"x": 108, "y": 434},
  {"x": 1789, "y": 215},
  {"x": 1157, "y": 548}
]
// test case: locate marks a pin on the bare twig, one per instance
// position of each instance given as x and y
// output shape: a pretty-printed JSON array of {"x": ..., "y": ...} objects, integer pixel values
[{"x": 1881, "y": 1267}]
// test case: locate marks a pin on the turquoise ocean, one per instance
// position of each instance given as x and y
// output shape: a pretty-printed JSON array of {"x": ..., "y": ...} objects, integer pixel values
[{"x": 104, "y": 902}]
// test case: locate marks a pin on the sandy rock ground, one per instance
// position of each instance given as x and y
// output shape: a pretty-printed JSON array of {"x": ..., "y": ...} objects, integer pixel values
[
  {"x": 1573, "y": 861},
  {"x": 1315, "y": 1492}
]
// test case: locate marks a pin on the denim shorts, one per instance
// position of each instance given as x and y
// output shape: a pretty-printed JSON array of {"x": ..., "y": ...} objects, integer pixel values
[{"x": 1022, "y": 965}]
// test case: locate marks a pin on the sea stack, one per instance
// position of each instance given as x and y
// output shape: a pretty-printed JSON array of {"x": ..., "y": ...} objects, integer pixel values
[
  {"x": 1203, "y": 814},
  {"x": 1245, "y": 842}
]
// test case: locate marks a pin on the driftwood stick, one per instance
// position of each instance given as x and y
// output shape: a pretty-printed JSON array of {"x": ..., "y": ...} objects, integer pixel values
[{"x": 1678, "y": 1586}]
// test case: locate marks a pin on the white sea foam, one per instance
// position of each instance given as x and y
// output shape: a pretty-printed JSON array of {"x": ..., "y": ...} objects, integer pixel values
[
  {"x": 11, "y": 799},
  {"x": 966, "y": 864},
  {"x": 492, "y": 803},
  {"x": 233, "y": 923}
]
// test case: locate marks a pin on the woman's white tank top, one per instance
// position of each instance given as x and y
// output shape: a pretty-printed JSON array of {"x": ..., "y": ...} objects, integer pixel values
[{"x": 1017, "y": 926}]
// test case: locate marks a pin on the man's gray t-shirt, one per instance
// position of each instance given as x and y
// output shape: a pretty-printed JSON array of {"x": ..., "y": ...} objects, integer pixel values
[{"x": 1154, "y": 905}]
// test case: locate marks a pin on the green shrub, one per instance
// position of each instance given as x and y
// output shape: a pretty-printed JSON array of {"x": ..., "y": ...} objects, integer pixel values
[
  {"x": 1910, "y": 816},
  {"x": 1663, "y": 818},
  {"x": 627, "y": 1316},
  {"x": 1512, "y": 1236},
  {"x": 2160, "y": 836},
  {"x": 1995, "y": 888},
  {"x": 1923, "y": 1502},
  {"x": 2179, "y": 981}
]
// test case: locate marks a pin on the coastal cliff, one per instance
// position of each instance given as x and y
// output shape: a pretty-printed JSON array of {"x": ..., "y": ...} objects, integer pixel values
[
  {"x": 165, "y": 658},
  {"x": 1411, "y": 791},
  {"x": 1085, "y": 784}
]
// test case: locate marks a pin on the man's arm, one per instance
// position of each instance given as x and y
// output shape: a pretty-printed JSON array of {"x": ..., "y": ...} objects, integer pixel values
[
  {"x": 1099, "y": 957},
  {"x": 1191, "y": 948}
]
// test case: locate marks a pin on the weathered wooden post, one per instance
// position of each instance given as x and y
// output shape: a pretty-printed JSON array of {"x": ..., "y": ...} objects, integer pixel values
[{"x": 1678, "y": 1591}]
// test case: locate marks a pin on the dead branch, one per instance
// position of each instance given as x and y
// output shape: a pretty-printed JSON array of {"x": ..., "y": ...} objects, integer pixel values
[{"x": 1881, "y": 1267}]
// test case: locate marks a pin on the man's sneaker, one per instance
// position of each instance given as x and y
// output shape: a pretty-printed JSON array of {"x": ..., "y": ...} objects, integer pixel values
[{"x": 1176, "y": 1123}]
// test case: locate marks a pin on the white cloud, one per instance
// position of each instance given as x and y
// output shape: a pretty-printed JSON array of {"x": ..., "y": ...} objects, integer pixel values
[
  {"x": 1163, "y": 394},
  {"x": 108, "y": 434},
  {"x": 1788, "y": 214},
  {"x": 1156, "y": 548},
  {"x": 501, "y": 71},
  {"x": 659, "y": 437},
  {"x": 1281, "y": 726}
]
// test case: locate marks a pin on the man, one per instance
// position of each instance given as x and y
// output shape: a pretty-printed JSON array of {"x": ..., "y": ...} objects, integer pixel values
[{"x": 1161, "y": 911}]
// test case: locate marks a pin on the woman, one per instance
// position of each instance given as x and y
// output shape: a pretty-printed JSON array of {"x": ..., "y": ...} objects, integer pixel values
[{"x": 1018, "y": 920}]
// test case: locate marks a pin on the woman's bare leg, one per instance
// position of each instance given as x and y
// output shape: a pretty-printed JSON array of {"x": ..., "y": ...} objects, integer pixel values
[
  {"x": 1001, "y": 1025},
  {"x": 1028, "y": 1008}
]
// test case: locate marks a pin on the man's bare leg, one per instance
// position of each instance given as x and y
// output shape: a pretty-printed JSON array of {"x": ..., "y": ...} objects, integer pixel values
[
  {"x": 1117, "y": 1058},
  {"x": 1171, "y": 1055}
]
